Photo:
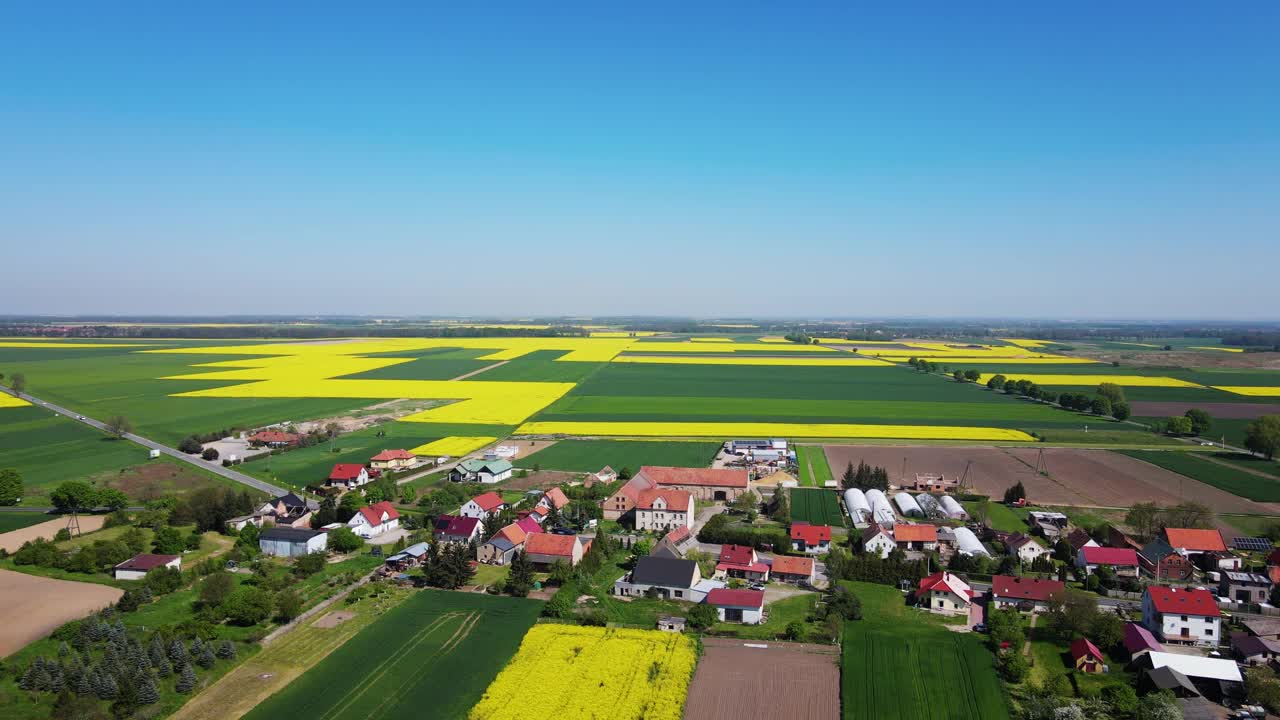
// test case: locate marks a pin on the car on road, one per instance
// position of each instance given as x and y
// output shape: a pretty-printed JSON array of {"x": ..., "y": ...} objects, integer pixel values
[
  {"x": 980, "y": 628},
  {"x": 757, "y": 586},
  {"x": 79, "y": 417}
]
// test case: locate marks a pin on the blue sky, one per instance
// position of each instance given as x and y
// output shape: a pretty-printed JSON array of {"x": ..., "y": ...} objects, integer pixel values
[{"x": 1106, "y": 160}]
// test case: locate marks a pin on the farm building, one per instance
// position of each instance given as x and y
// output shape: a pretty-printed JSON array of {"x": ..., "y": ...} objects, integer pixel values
[
  {"x": 930, "y": 505},
  {"x": 741, "y": 561},
  {"x": 604, "y": 475},
  {"x": 291, "y": 542},
  {"x": 1185, "y": 616},
  {"x": 669, "y": 578},
  {"x": 967, "y": 543},
  {"x": 1050, "y": 524},
  {"x": 481, "y": 471},
  {"x": 877, "y": 540},
  {"x": 1252, "y": 650},
  {"x": 482, "y": 506},
  {"x": 1214, "y": 678},
  {"x": 952, "y": 508},
  {"x": 916, "y": 537},
  {"x": 703, "y": 485},
  {"x": 1122, "y": 561},
  {"x": 907, "y": 505},
  {"x": 738, "y": 606},
  {"x": 393, "y": 460},
  {"x": 881, "y": 511},
  {"x": 544, "y": 549},
  {"x": 1244, "y": 587},
  {"x": 372, "y": 521},
  {"x": 457, "y": 529},
  {"x": 791, "y": 569},
  {"x": 274, "y": 439},
  {"x": 1159, "y": 560},
  {"x": 735, "y": 447},
  {"x": 935, "y": 483},
  {"x": 1079, "y": 539},
  {"x": 663, "y": 509},
  {"x": 855, "y": 502},
  {"x": 408, "y": 557},
  {"x": 671, "y": 623},
  {"x": 1025, "y": 548},
  {"x": 945, "y": 593},
  {"x": 137, "y": 567},
  {"x": 1139, "y": 640},
  {"x": 1086, "y": 657},
  {"x": 810, "y": 538},
  {"x": 1194, "y": 541},
  {"x": 1027, "y": 594},
  {"x": 347, "y": 475}
]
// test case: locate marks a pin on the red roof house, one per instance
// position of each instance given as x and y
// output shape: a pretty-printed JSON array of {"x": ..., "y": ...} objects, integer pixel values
[
  {"x": 374, "y": 520},
  {"x": 1114, "y": 557},
  {"x": 1008, "y": 590},
  {"x": 737, "y": 554},
  {"x": 789, "y": 568},
  {"x": 744, "y": 606},
  {"x": 740, "y": 561},
  {"x": 695, "y": 477},
  {"x": 348, "y": 474},
  {"x": 1195, "y": 540},
  {"x": 1183, "y": 601},
  {"x": 136, "y": 567},
  {"x": 1086, "y": 656},
  {"x": 554, "y": 497},
  {"x": 456, "y": 528},
  {"x": 394, "y": 455},
  {"x": 483, "y": 505},
  {"x": 275, "y": 438},
  {"x": 945, "y": 593},
  {"x": 811, "y": 538}
]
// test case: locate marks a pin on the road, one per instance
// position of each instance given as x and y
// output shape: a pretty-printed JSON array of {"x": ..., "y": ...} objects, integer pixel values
[{"x": 197, "y": 461}]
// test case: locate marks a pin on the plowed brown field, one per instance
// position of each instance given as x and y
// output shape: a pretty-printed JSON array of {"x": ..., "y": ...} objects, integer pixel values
[{"x": 782, "y": 680}]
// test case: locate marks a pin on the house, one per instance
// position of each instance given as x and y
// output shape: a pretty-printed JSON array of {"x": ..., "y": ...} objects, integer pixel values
[
  {"x": 457, "y": 529},
  {"x": 1187, "y": 616},
  {"x": 792, "y": 569},
  {"x": 1028, "y": 594},
  {"x": 664, "y": 509},
  {"x": 1214, "y": 678},
  {"x": 481, "y": 471},
  {"x": 408, "y": 557},
  {"x": 935, "y": 483},
  {"x": 393, "y": 460},
  {"x": 502, "y": 547},
  {"x": 945, "y": 593},
  {"x": 274, "y": 439},
  {"x": 604, "y": 475},
  {"x": 877, "y": 540},
  {"x": 741, "y": 561},
  {"x": 483, "y": 506},
  {"x": 739, "y": 606},
  {"x": 348, "y": 475},
  {"x": 1161, "y": 561},
  {"x": 288, "y": 510},
  {"x": 548, "y": 549},
  {"x": 666, "y": 578},
  {"x": 671, "y": 623},
  {"x": 1086, "y": 656},
  {"x": 290, "y": 542},
  {"x": 1251, "y": 650},
  {"x": 1139, "y": 640},
  {"x": 1050, "y": 524},
  {"x": 137, "y": 567},
  {"x": 553, "y": 498},
  {"x": 676, "y": 543},
  {"x": 1244, "y": 587},
  {"x": 372, "y": 521},
  {"x": 1263, "y": 627},
  {"x": 719, "y": 485},
  {"x": 916, "y": 537},
  {"x": 240, "y": 522},
  {"x": 1078, "y": 539},
  {"x": 1025, "y": 548},
  {"x": 1223, "y": 560},
  {"x": 1122, "y": 561},
  {"x": 1119, "y": 538},
  {"x": 1194, "y": 541},
  {"x": 815, "y": 539}
]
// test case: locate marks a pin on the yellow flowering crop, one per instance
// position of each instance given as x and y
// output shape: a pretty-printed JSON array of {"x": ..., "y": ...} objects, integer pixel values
[
  {"x": 622, "y": 333},
  {"x": 453, "y": 446},
  {"x": 846, "y": 361},
  {"x": 693, "y": 347},
  {"x": 987, "y": 360},
  {"x": 1250, "y": 390},
  {"x": 1021, "y": 342},
  {"x": 9, "y": 401},
  {"x": 1218, "y": 348},
  {"x": 571, "y": 672},
  {"x": 770, "y": 429},
  {"x": 1090, "y": 380}
]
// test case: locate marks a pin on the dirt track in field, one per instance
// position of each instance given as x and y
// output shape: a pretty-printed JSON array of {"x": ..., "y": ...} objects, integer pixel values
[
  {"x": 1079, "y": 477},
  {"x": 31, "y": 607},
  {"x": 783, "y": 680},
  {"x": 1226, "y": 411},
  {"x": 12, "y": 540}
]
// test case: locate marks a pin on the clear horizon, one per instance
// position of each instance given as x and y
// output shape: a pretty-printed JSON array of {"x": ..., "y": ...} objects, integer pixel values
[{"x": 1095, "y": 163}]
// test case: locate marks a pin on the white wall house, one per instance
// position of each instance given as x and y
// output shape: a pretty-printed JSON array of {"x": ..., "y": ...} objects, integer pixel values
[
  {"x": 481, "y": 471},
  {"x": 1026, "y": 549},
  {"x": 664, "y": 510},
  {"x": 740, "y": 606},
  {"x": 878, "y": 541},
  {"x": 374, "y": 520},
  {"x": 482, "y": 506},
  {"x": 1188, "y": 616}
]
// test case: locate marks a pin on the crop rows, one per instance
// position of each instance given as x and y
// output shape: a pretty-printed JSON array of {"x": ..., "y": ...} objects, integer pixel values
[{"x": 818, "y": 507}]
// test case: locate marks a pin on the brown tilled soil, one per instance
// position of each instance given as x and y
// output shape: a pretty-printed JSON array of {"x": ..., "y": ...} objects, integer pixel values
[
  {"x": 32, "y": 607},
  {"x": 333, "y": 619},
  {"x": 1226, "y": 411},
  {"x": 783, "y": 680},
  {"x": 540, "y": 479},
  {"x": 1097, "y": 478},
  {"x": 153, "y": 480},
  {"x": 12, "y": 540},
  {"x": 1187, "y": 359}
]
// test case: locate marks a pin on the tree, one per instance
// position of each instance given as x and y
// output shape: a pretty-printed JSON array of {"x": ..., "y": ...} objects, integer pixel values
[
  {"x": 10, "y": 486},
  {"x": 112, "y": 499},
  {"x": 74, "y": 496},
  {"x": 1144, "y": 518},
  {"x": 1015, "y": 492},
  {"x": 167, "y": 541},
  {"x": 1178, "y": 426},
  {"x": 972, "y": 375},
  {"x": 1200, "y": 420},
  {"x": 844, "y": 603},
  {"x": 119, "y": 425},
  {"x": 1120, "y": 411},
  {"x": 1107, "y": 630},
  {"x": 343, "y": 540},
  {"x": 210, "y": 454},
  {"x": 1262, "y": 436},
  {"x": 215, "y": 589},
  {"x": 191, "y": 445},
  {"x": 309, "y": 564},
  {"x": 702, "y": 616},
  {"x": 1014, "y": 667},
  {"x": 1112, "y": 392},
  {"x": 288, "y": 606},
  {"x": 997, "y": 382},
  {"x": 227, "y": 650},
  {"x": 958, "y": 375},
  {"x": 1187, "y": 515},
  {"x": 18, "y": 382},
  {"x": 795, "y": 629},
  {"x": 1262, "y": 688},
  {"x": 520, "y": 578},
  {"x": 148, "y": 693},
  {"x": 1159, "y": 706},
  {"x": 186, "y": 680},
  {"x": 1100, "y": 406},
  {"x": 247, "y": 606}
]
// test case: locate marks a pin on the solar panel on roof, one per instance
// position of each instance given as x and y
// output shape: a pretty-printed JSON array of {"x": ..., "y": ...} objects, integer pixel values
[{"x": 1251, "y": 543}]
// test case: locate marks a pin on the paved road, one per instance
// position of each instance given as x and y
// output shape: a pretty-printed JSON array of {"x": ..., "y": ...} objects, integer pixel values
[{"x": 212, "y": 467}]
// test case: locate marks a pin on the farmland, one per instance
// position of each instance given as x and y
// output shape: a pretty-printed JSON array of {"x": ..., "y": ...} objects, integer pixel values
[
  {"x": 32, "y": 607},
  {"x": 778, "y": 680},
  {"x": 1236, "y": 482},
  {"x": 436, "y": 649},
  {"x": 18, "y": 520},
  {"x": 581, "y": 672},
  {"x": 817, "y": 507},
  {"x": 592, "y": 455},
  {"x": 814, "y": 470}
]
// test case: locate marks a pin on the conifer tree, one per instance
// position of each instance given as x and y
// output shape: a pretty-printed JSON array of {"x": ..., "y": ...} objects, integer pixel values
[
  {"x": 164, "y": 669},
  {"x": 206, "y": 659},
  {"x": 177, "y": 653},
  {"x": 226, "y": 650},
  {"x": 105, "y": 686},
  {"x": 186, "y": 680},
  {"x": 148, "y": 693}
]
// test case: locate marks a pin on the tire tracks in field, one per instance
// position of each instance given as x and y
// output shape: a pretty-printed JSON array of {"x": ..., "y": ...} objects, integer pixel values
[{"x": 470, "y": 620}]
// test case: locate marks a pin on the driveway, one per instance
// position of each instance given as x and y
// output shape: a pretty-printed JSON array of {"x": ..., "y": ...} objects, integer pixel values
[{"x": 389, "y": 538}]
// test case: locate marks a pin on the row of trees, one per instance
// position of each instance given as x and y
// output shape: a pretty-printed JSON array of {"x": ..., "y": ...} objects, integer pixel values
[
  {"x": 864, "y": 477},
  {"x": 1149, "y": 519}
]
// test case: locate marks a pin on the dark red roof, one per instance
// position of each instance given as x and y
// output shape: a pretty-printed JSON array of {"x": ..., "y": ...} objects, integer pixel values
[
  {"x": 1123, "y": 557},
  {"x": 550, "y": 544},
  {"x": 737, "y": 554},
  {"x": 811, "y": 534},
  {"x": 701, "y": 477},
  {"x": 273, "y": 436},
  {"x": 345, "y": 471},
  {"x": 1081, "y": 647},
  {"x": 373, "y": 513},
  {"x": 724, "y": 597},
  {"x": 146, "y": 561},
  {"x": 1020, "y": 588},
  {"x": 944, "y": 580},
  {"x": 456, "y": 525},
  {"x": 488, "y": 501},
  {"x": 1183, "y": 601}
]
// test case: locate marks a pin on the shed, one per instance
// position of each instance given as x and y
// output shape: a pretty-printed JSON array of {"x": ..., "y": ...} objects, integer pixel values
[
  {"x": 137, "y": 567},
  {"x": 290, "y": 542}
]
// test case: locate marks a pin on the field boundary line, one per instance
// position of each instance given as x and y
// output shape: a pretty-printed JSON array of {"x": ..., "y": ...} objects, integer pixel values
[
  {"x": 473, "y": 373},
  {"x": 468, "y": 624}
]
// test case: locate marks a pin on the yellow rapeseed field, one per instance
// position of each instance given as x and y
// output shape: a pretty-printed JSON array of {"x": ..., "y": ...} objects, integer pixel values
[
  {"x": 846, "y": 361},
  {"x": 984, "y": 360},
  {"x": 1091, "y": 380},
  {"x": 9, "y": 401},
  {"x": 1250, "y": 390},
  {"x": 570, "y": 672},
  {"x": 768, "y": 429},
  {"x": 453, "y": 446},
  {"x": 1022, "y": 342},
  {"x": 621, "y": 333},
  {"x": 1219, "y": 348}
]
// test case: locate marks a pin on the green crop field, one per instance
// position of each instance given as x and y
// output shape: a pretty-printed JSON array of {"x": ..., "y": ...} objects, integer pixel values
[
  {"x": 898, "y": 663},
  {"x": 540, "y": 366},
  {"x": 591, "y": 455},
  {"x": 1250, "y": 462},
  {"x": 818, "y": 507},
  {"x": 433, "y": 364},
  {"x": 305, "y": 466},
  {"x": 433, "y": 655},
  {"x": 18, "y": 520},
  {"x": 1237, "y": 482},
  {"x": 812, "y": 461}
]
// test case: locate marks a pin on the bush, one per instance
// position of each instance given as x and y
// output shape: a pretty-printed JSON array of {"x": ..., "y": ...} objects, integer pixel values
[
  {"x": 309, "y": 565},
  {"x": 210, "y": 454},
  {"x": 343, "y": 540},
  {"x": 191, "y": 446},
  {"x": 248, "y": 606}
]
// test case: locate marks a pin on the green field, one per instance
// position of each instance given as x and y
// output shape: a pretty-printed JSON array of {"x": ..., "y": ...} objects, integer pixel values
[
  {"x": 1250, "y": 462},
  {"x": 898, "y": 663},
  {"x": 18, "y": 520},
  {"x": 541, "y": 366},
  {"x": 305, "y": 466},
  {"x": 433, "y": 364},
  {"x": 817, "y": 507},
  {"x": 1237, "y": 482},
  {"x": 591, "y": 455},
  {"x": 812, "y": 461},
  {"x": 431, "y": 656}
]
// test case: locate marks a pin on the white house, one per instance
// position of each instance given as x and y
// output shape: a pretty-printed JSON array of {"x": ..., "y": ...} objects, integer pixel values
[
  {"x": 481, "y": 471},
  {"x": 1122, "y": 561},
  {"x": 482, "y": 506},
  {"x": 348, "y": 475},
  {"x": 137, "y": 567},
  {"x": 877, "y": 540},
  {"x": 664, "y": 510},
  {"x": 945, "y": 593},
  {"x": 1025, "y": 548},
  {"x": 374, "y": 520},
  {"x": 1187, "y": 616},
  {"x": 553, "y": 498},
  {"x": 740, "y": 606},
  {"x": 289, "y": 542},
  {"x": 457, "y": 529}
]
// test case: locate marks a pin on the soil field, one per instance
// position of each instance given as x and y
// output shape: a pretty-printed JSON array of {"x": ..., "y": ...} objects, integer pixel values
[
  {"x": 32, "y": 607},
  {"x": 1230, "y": 411},
  {"x": 540, "y": 479},
  {"x": 1079, "y": 477},
  {"x": 782, "y": 680},
  {"x": 12, "y": 540},
  {"x": 592, "y": 455}
]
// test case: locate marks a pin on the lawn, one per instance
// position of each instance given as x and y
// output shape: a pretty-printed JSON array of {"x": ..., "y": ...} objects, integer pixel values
[
  {"x": 591, "y": 455},
  {"x": 1000, "y": 516},
  {"x": 812, "y": 461},
  {"x": 436, "y": 650},
  {"x": 305, "y": 466},
  {"x": 1237, "y": 482},
  {"x": 781, "y": 613},
  {"x": 18, "y": 520},
  {"x": 817, "y": 507}
]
